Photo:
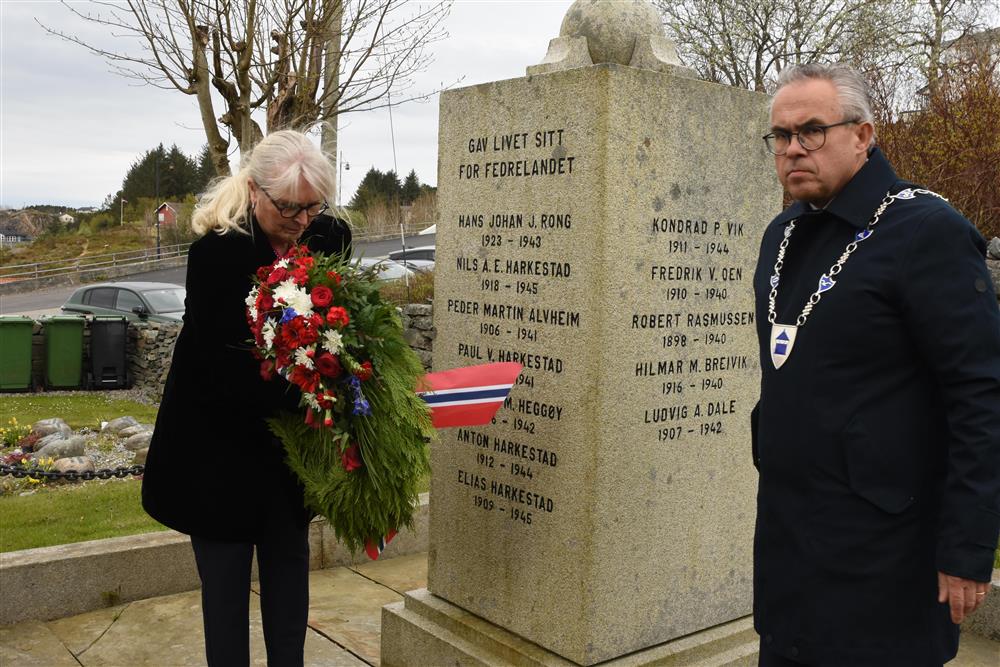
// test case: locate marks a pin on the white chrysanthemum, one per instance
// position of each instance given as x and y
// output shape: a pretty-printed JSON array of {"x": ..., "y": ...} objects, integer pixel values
[
  {"x": 268, "y": 333},
  {"x": 281, "y": 263},
  {"x": 332, "y": 341},
  {"x": 294, "y": 297},
  {"x": 252, "y": 297},
  {"x": 311, "y": 400},
  {"x": 253, "y": 313},
  {"x": 302, "y": 357}
]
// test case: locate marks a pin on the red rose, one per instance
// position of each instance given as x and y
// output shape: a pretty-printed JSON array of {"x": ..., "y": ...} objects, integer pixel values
[
  {"x": 267, "y": 369},
  {"x": 263, "y": 271},
  {"x": 321, "y": 296},
  {"x": 328, "y": 365},
  {"x": 316, "y": 320},
  {"x": 338, "y": 317},
  {"x": 350, "y": 458},
  {"x": 277, "y": 276},
  {"x": 364, "y": 372}
]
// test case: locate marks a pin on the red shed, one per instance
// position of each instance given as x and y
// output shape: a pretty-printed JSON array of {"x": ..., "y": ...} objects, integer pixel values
[{"x": 166, "y": 213}]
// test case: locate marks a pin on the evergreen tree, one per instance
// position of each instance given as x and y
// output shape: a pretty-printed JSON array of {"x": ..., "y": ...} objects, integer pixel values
[
  {"x": 206, "y": 170},
  {"x": 411, "y": 188},
  {"x": 161, "y": 174},
  {"x": 369, "y": 190}
]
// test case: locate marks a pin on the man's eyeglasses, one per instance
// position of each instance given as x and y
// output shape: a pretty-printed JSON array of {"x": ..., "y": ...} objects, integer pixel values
[
  {"x": 810, "y": 137},
  {"x": 286, "y": 210}
]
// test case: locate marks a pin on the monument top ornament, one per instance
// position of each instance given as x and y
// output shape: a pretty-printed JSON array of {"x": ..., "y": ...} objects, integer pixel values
[{"x": 621, "y": 32}]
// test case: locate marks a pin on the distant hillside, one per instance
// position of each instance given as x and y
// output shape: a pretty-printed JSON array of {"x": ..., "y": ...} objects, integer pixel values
[
  {"x": 27, "y": 221},
  {"x": 69, "y": 245}
]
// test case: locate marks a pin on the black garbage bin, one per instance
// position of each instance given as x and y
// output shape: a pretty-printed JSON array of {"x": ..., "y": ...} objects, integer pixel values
[{"x": 108, "y": 356}]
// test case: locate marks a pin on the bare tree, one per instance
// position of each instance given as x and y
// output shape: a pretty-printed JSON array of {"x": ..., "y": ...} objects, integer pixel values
[
  {"x": 747, "y": 43},
  {"x": 294, "y": 63}
]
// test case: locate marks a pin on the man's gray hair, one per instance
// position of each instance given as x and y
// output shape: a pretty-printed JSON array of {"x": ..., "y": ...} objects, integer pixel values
[{"x": 852, "y": 90}]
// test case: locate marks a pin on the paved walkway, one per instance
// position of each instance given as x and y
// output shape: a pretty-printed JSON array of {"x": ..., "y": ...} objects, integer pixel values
[{"x": 344, "y": 626}]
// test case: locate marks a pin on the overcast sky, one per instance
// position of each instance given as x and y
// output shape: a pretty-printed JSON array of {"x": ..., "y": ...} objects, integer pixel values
[{"x": 70, "y": 129}]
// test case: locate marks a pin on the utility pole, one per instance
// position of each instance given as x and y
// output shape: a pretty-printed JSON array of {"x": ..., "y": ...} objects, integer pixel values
[
  {"x": 121, "y": 212},
  {"x": 157, "y": 199}
]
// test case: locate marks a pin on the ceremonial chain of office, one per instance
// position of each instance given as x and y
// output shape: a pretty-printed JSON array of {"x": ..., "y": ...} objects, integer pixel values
[{"x": 826, "y": 281}]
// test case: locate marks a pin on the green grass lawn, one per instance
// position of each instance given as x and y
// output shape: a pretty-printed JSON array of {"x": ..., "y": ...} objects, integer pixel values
[
  {"x": 78, "y": 409},
  {"x": 73, "y": 513}
]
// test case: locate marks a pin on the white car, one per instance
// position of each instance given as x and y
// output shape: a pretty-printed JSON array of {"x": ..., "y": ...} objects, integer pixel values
[{"x": 387, "y": 269}]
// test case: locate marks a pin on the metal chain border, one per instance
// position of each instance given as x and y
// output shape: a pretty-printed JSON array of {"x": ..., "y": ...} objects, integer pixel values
[{"x": 38, "y": 474}]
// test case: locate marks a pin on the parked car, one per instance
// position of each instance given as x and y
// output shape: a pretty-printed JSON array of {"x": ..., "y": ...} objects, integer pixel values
[
  {"x": 417, "y": 265},
  {"x": 419, "y": 259},
  {"x": 388, "y": 269},
  {"x": 154, "y": 302},
  {"x": 424, "y": 253}
]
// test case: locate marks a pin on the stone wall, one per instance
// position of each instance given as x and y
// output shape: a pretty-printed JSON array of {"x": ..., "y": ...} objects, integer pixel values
[
  {"x": 150, "y": 349},
  {"x": 418, "y": 330}
]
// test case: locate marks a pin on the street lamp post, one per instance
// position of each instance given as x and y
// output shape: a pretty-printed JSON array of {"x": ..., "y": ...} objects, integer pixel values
[{"x": 340, "y": 180}]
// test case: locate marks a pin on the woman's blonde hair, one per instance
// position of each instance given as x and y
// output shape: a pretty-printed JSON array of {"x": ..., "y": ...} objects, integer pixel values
[{"x": 277, "y": 165}]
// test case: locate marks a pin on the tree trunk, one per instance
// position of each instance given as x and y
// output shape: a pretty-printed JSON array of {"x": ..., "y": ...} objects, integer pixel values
[{"x": 217, "y": 146}]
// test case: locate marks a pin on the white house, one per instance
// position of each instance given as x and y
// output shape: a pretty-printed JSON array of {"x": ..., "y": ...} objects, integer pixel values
[{"x": 66, "y": 218}]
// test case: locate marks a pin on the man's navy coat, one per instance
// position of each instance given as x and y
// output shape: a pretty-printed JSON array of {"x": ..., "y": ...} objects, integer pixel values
[{"x": 878, "y": 440}]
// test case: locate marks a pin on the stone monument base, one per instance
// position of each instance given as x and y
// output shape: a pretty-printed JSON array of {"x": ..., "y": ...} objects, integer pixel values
[{"x": 427, "y": 630}]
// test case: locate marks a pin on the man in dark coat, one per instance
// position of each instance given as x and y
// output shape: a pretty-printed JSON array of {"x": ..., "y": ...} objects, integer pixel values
[{"x": 877, "y": 435}]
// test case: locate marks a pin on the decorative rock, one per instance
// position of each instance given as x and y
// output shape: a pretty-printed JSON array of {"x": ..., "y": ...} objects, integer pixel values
[
  {"x": 52, "y": 426},
  {"x": 62, "y": 448},
  {"x": 49, "y": 439},
  {"x": 140, "y": 457},
  {"x": 993, "y": 249},
  {"x": 120, "y": 424},
  {"x": 134, "y": 430},
  {"x": 75, "y": 463},
  {"x": 139, "y": 441}
]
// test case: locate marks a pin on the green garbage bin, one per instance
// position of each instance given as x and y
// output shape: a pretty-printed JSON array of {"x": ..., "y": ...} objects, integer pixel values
[
  {"x": 15, "y": 353},
  {"x": 64, "y": 352}
]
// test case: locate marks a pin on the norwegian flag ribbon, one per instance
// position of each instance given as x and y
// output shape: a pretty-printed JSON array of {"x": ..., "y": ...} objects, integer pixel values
[
  {"x": 468, "y": 396},
  {"x": 375, "y": 548}
]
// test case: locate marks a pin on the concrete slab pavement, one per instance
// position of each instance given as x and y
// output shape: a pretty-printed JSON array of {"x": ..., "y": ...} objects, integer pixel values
[{"x": 344, "y": 626}]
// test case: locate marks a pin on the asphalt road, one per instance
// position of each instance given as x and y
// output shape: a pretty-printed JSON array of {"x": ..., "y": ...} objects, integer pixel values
[{"x": 48, "y": 301}]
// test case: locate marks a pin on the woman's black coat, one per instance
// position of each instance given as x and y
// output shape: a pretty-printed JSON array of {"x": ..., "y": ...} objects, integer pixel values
[{"x": 214, "y": 469}]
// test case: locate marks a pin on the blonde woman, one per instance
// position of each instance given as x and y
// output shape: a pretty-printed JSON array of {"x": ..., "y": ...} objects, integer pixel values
[{"x": 214, "y": 470}]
